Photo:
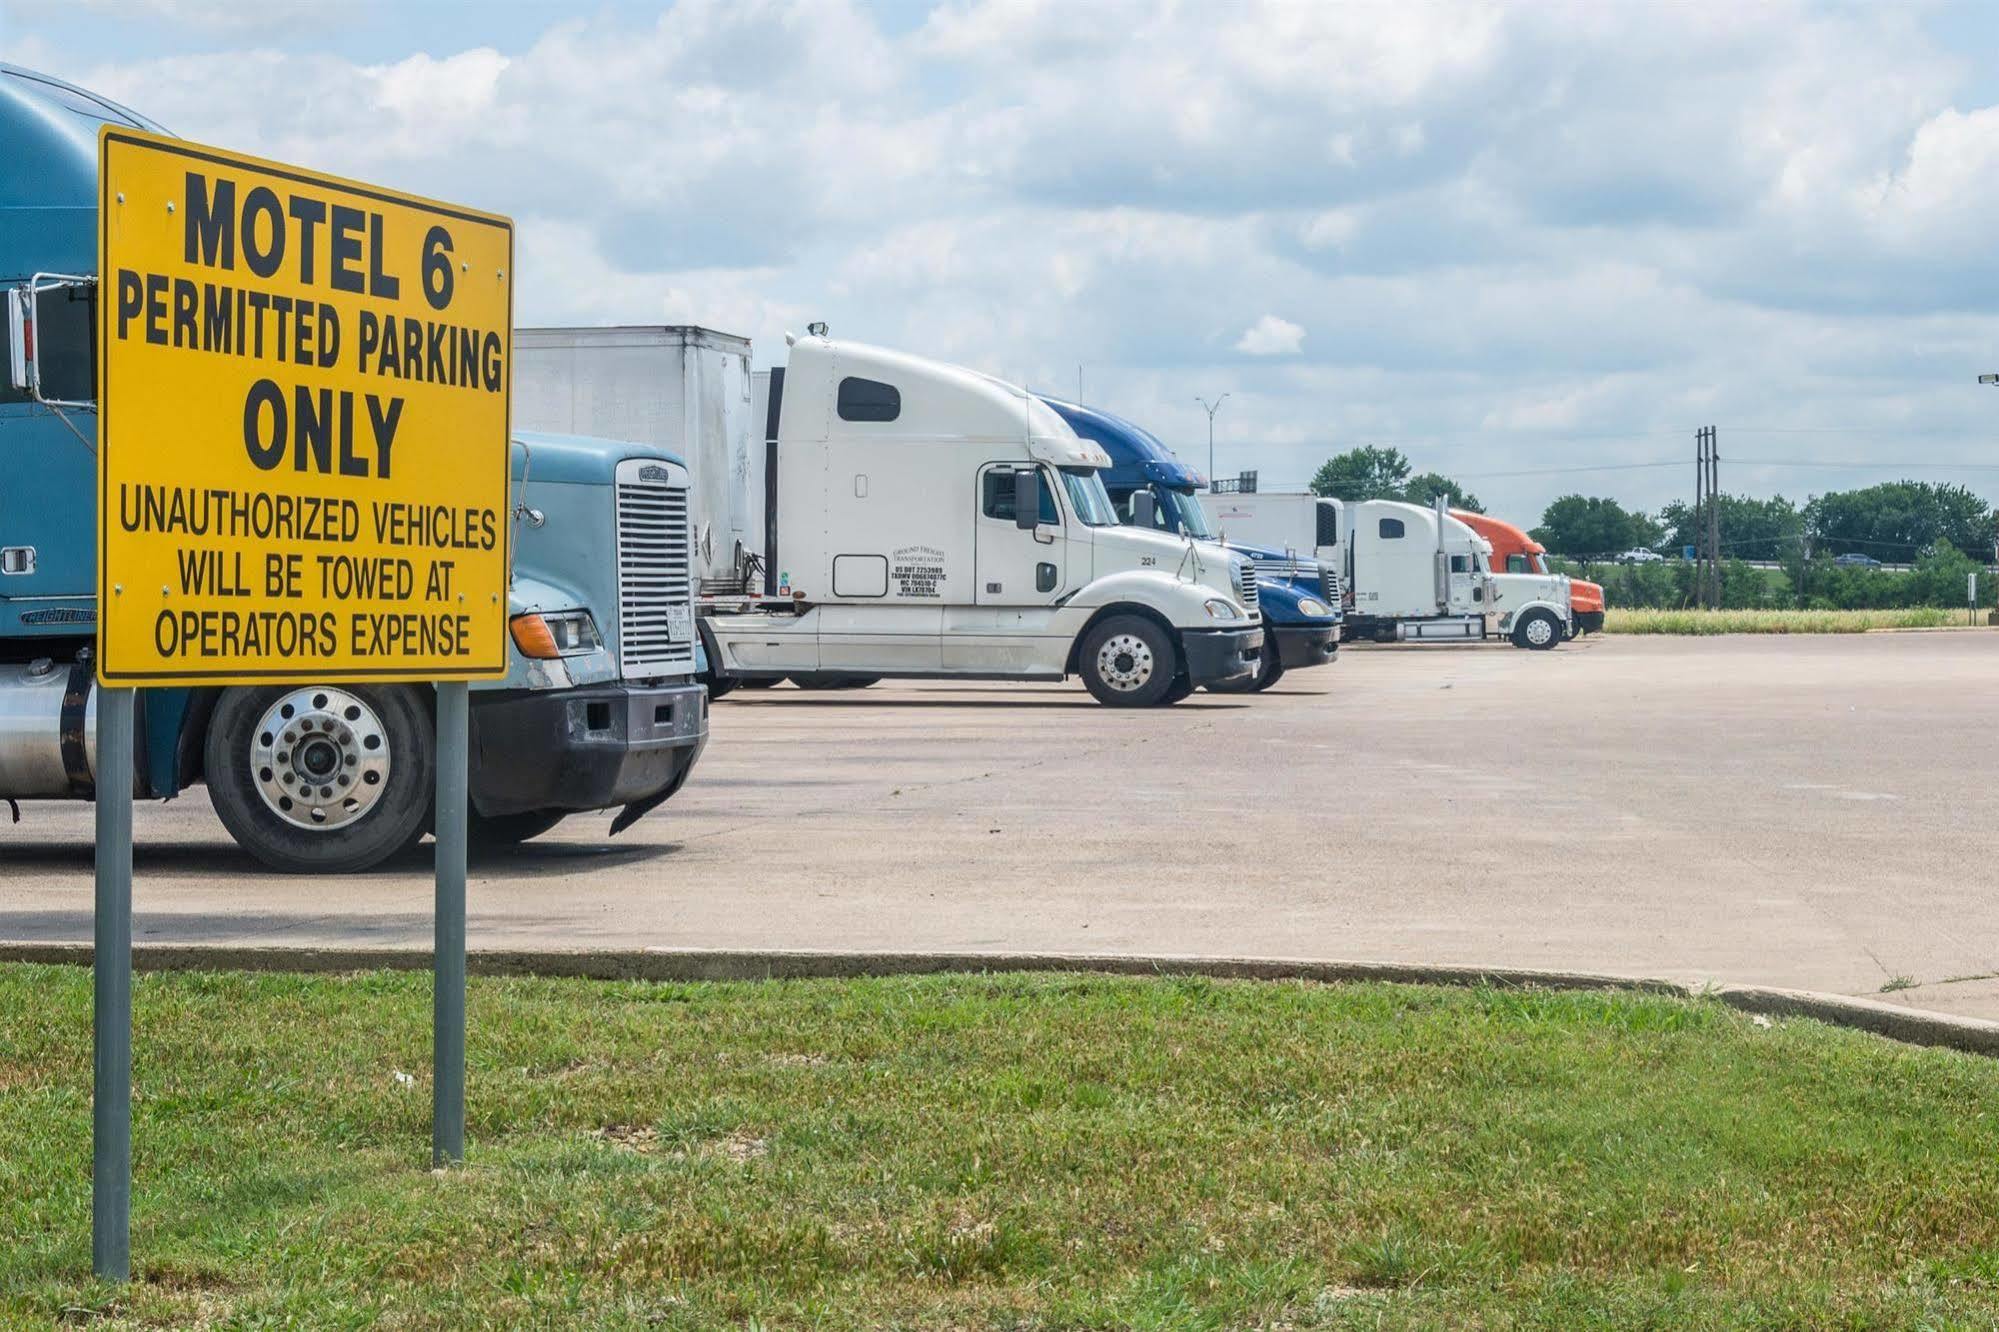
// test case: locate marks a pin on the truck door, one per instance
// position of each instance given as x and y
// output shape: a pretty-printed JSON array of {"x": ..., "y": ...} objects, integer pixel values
[
  {"x": 1463, "y": 580},
  {"x": 1016, "y": 566},
  {"x": 1018, "y": 572},
  {"x": 48, "y": 466}
]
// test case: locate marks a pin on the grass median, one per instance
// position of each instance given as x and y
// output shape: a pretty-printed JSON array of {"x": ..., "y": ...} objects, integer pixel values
[
  {"x": 1697, "y": 622},
  {"x": 997, "y": 1152}
]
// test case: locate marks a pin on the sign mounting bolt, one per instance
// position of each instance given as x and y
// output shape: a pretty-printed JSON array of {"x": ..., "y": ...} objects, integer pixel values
[
  {"x": 121, "y": 196},
  {"x": 117, "y": 589},
  {"x": 170, "y": 205}
]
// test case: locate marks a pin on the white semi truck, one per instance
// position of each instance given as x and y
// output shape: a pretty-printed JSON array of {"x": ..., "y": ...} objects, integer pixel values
[
  {"x": 865, "y": 513},
  {"x": 1411, "y": 574}
]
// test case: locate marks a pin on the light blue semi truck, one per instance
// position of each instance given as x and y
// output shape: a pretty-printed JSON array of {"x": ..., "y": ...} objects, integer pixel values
[{"x": 601, "y": 706}]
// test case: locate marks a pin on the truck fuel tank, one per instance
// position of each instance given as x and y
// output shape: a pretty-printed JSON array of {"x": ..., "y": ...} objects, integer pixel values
[{"x": 39, "y": 701}]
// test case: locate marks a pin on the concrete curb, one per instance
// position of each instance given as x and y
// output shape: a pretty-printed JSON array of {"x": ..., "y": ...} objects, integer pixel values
[{"x": 1909, "y": 1025}]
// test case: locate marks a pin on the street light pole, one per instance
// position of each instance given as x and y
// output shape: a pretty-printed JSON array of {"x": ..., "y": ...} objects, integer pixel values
[{"x": 1211, "y": 408}]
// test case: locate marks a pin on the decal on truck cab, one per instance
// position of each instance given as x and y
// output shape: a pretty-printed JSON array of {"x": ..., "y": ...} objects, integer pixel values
[{"x": 918, "y": 572}]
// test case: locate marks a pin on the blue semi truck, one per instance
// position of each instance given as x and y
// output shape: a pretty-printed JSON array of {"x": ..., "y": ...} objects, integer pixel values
[
  {"x": 600, "y": 708},
  {"x": 1150, "y": 487}
]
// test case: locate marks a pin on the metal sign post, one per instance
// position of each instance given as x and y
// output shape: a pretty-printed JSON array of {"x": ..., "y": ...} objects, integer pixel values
[
  {"x": 447, "y": 1111},
  {"x": 111, "y": 1011}
]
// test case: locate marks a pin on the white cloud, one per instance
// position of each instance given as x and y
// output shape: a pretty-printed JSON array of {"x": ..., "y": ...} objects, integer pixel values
[
  {"x": 1271, "y": 336},
  {"x": 446, "y": 96}
]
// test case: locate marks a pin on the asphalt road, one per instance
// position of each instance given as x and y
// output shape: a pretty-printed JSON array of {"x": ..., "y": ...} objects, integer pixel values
[{"x": 1811, "y": 812}]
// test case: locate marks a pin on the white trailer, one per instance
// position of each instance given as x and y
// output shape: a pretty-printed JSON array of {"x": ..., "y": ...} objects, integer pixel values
[
  {"x": 925, "y": 520},
  {"x": 1300, "y": 526},
  {"x": 1411, "y": 573},
  {"x": 678, "y": 386}
]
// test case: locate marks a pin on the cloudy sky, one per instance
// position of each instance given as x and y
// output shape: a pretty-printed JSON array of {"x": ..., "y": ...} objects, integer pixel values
[{"x": 1516, "y": 241}]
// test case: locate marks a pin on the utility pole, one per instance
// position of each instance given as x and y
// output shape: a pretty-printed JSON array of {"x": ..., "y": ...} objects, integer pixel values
[
  {"x": 1211, "y": 408},
  {"x": 1713, "y": 520},
  {"x": 1698, "y": 522},
  {"x": 1707, "y": 519}
]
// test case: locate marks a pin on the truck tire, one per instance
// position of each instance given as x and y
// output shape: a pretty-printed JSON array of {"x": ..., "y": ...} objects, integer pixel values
[
  {"x": 1537, "y": 629},
  {"x": 1269, "y": 670},
  {"x": 503, "y": 830},
  {"x": 323, "y": 779},
  {"x": 1129, "y": 662}
]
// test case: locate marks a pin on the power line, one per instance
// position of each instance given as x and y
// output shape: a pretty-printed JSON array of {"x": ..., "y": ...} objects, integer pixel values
[
  {"x": 1791, "y": 464},
  {"x": 1926, "y": 466},
  {"x": 1560, "y": 471}
]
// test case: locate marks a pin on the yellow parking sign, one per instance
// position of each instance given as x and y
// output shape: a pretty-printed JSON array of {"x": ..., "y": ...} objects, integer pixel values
[{"x": 302, "y": 435}]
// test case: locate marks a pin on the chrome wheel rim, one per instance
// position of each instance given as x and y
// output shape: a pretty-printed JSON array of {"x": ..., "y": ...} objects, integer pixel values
[
  {"x": 1540, "y": 630},
  {"x": 1125, "y": 662},
  {"x": 320, "y": 758}
]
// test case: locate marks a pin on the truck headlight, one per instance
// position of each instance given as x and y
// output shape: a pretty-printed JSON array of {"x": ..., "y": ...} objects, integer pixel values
[
  {"x": 1221, "y": 610},
  {"x": 555, "y": 634},
  {"x": 1313, "y": 606}
]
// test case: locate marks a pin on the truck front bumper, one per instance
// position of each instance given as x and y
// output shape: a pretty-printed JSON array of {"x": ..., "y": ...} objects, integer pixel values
[
  {"x": 1215, "y": 656},
  {"x": 586, "y": 748},
  {"x": 1589, "y": 622},
  {"x": 1305, "y": 645}
]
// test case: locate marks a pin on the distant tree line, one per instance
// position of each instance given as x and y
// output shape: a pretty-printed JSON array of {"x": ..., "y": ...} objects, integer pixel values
[
  {"x": 1370, "y": 473},
  {"x": 1944, "y": 531}
]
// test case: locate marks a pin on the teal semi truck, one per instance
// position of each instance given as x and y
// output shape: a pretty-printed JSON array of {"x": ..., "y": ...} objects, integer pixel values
[{"x": 600, "y": 708}]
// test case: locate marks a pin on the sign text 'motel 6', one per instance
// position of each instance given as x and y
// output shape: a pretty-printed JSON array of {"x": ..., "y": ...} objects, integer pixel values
[
  {"x": 302, "y": 471},
  {"x": 303, "y": 387}
]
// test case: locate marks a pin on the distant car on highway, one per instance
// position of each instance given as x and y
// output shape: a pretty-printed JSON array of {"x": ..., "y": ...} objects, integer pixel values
[
  {"x": 1640, "y": 557},
  {"x": 1853, "y": 559}
]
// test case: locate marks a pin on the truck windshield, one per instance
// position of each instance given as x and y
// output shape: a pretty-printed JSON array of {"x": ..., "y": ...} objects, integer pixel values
[
  {"x": 1088, "y": 497},
  {"x": 1185, "y": 505}
]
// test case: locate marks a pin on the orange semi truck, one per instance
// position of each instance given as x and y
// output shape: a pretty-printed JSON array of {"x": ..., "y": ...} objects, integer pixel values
[{"x": 1513, "y": 551}]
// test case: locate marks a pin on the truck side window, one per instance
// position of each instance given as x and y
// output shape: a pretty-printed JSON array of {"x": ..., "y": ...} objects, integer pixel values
[
  {"x": 65, "y": 334},
  {"x": 868, "y": 400},
  {"x": 1329, "y": 526},
  {"x": 1162, "y": 517},
  {"x": 1391, "y": 528},
  {"x": 1460, "y": 564},
  {"x": 1516, "y": 564},
  {"x": 996, "y": 499}
]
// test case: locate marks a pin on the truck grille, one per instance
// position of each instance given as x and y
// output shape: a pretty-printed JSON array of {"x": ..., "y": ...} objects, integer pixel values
[
  {"x": 1285, "y": 567},
  {"x": 1329, "y": 585},
  {"x": 655, "y": 573},
  {"x": 1245, "y": 577}
]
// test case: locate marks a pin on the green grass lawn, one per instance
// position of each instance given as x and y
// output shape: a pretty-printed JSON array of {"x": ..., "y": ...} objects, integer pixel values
[
  {"x": 1778, "y": 621},
  {"x": 997, "y": 1152}
]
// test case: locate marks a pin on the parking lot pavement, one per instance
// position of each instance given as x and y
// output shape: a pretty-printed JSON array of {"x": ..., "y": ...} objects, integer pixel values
[{"x": 1807, "y": 811}]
